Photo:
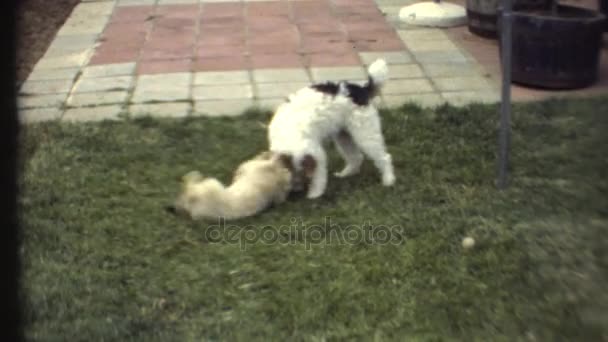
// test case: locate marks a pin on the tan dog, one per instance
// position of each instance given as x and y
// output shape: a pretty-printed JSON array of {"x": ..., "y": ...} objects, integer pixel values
[{"x": 257, "y": 184}]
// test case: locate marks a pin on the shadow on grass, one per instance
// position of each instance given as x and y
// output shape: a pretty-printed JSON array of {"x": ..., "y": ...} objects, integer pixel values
[{"x": 103, "y": 260}]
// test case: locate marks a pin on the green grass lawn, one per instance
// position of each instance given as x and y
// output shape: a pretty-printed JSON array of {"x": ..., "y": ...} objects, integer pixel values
[{"x": 104, "y": 261}]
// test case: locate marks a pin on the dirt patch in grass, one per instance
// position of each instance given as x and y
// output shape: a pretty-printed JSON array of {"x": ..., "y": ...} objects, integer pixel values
[{"x": 103, "y": 260}]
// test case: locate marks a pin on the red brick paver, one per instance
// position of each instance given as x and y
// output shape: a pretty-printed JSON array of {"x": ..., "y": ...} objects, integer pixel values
[
  {"x": 163, "y": 66},
  {"x": 235, "y": 35},
  {"x": 221, "y": 63}
]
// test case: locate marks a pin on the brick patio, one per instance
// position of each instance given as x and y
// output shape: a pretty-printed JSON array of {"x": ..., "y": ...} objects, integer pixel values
[
  {"x": 118, "y": 58},
  {"x": 221, "y": 36}
]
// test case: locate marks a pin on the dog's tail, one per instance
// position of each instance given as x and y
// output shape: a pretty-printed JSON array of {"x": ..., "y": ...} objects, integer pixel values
[{"x": 377, "y": 76}]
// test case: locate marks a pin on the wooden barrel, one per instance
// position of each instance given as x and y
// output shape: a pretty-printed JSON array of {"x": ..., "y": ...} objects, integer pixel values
[
  {"x": 604, "y": 10},
  {"x": 556, "y": 52},
  {"x": 481, "y": 14}
]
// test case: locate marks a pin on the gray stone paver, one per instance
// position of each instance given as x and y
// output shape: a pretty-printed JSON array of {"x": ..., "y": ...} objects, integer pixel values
[
  {"x": 108, "y": 70},
  {"x": 338, "y": 73},
  {"x": 280, "y": 75},
  {"x": 41, "y": 101},
  {"x": 274, "y": 90},
  {"x": 87, "y": 18},
  {"x": 39, "y": 114},
  {"x": 141, "y": 96},
  {"x": 382, "y": 3},
  {"x": 422, "y": 35},
  {"x": 166, "y": 88},
  {"x": 54, "y": 74},
  {"x": 442, "y": 45},
  {"x": 83, "y": 26},
  {"x": 405, "y": 71},
  {"x": 98, "y": 113},
  {"x": 72, "y": 60},
  {"x": 172, "y": 110},
  {"x": 231, "y": 107},
  {"x": 462, "y": 83},
  {"x": 391, "y": 57},
  {"x": 97, "y": 98},
  {"x": 135, "y": 2},
  {"x": 451, "y": 69},
  {"x": 432, "y": 70},
  {"x": 221, "y": 92},
  {"x": 46, "y": 87},
  {"x": 103, "y": 84},
  {"x": 177, "y": 2},
  {"x": 78, "y": 42},
  {"x": 431, "y": 57},
  {"x": 92, "y": 9},
  {"x": 162, "y": 81},
  {"x": 82, "y": 53},
  {"x": 407, "y": 86},
  {"x": 221, "y": 77}
]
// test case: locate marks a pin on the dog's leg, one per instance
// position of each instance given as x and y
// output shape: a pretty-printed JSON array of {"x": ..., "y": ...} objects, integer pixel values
[
  {"x": 319, "y": 177},
  {"x": 366, "y": 131},
  {"x": 349, "y": 152}
]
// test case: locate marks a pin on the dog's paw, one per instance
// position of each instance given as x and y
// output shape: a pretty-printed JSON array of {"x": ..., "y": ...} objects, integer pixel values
[
  {"x": 314, "y": 195},
  {"x": 388, "y": 180},
  {"x": 346, "y": 172}
]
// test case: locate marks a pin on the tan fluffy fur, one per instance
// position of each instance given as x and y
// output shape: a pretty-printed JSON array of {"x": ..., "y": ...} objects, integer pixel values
[{"x": 257, "y": 184}]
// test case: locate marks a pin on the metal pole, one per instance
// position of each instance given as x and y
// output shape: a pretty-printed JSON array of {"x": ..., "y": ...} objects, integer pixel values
[{"x": 504, "y": 135}]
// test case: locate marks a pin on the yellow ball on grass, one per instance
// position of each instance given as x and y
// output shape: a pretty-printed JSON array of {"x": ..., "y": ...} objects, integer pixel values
[{"x": 468, "y": 242}]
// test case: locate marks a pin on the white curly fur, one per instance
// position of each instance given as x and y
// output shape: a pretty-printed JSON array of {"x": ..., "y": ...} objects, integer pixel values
[{"x": 299, "y": 127}]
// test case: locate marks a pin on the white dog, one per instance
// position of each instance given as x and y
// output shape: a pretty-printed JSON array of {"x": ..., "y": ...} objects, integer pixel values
[
  {"x": 257, "y": 184},
  {"x": 342, "y": 111}
]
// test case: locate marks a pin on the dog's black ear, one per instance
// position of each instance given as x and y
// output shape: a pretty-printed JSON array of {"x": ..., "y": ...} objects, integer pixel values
[
  {"x": 171, "y": 209},
  {"x": 309, "y": 164}
]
